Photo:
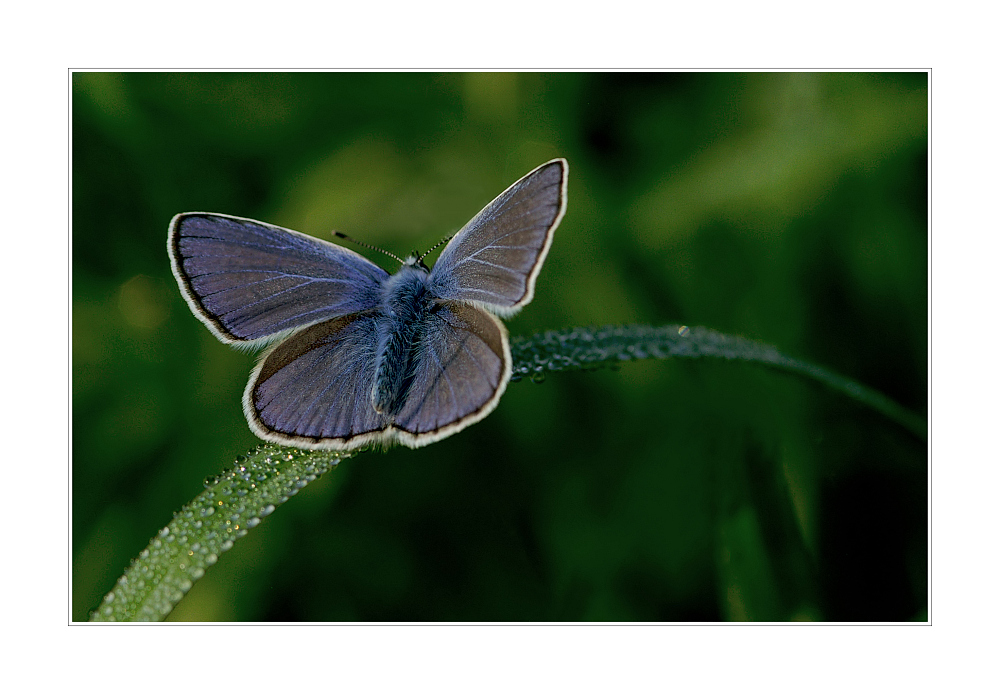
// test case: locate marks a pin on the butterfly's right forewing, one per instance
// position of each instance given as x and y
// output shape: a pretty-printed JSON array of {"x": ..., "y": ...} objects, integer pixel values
[
  {"x": 247, "y": 280},
  {"x": 494, "y": 260}
]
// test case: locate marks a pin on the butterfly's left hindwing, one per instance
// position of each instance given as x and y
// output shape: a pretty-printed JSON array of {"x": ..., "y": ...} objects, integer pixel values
[{"x": 312, "y": 389}]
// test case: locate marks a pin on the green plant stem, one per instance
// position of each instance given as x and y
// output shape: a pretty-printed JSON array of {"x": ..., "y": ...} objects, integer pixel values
[
  {"x": 236, "y": 501},
  {"x": 201, "y": 531},
  {"x": 589, "y": 348}
]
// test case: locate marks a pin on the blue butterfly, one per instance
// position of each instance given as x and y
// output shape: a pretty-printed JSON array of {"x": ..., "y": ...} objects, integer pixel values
[{"x": 359, "y": 356}]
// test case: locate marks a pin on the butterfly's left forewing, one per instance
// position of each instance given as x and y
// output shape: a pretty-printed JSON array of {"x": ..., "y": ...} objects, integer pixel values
[{"x": 248, "y": 281}]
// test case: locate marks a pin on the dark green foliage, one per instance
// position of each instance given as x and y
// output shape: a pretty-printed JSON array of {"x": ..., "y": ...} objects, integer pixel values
[{"x": 789, "y": 208}]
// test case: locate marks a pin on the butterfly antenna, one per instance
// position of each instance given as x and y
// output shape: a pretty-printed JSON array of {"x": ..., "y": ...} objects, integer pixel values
[
  {"x": 434, "y": 247},
  {"x": 368, "y": 245}
]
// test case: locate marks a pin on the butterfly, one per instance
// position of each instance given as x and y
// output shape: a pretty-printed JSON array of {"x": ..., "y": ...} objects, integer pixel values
[{"x": 356, "y": 356}]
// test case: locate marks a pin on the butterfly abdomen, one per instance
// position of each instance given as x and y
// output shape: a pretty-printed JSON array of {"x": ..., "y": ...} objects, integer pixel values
[{"x": 406, "y": 305}]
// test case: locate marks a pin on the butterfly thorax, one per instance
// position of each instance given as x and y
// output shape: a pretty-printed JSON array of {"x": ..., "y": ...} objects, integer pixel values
[{"x": 406, "y": 304}]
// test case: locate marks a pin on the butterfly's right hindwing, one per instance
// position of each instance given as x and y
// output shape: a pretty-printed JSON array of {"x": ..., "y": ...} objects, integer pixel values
[{"x": 460, "y": 370}]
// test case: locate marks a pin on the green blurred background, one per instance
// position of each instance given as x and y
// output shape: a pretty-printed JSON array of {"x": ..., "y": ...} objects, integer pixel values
[{"x": 789, "y": 208}]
